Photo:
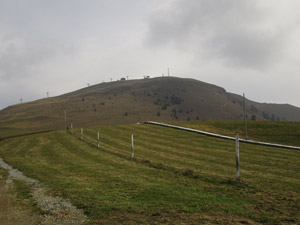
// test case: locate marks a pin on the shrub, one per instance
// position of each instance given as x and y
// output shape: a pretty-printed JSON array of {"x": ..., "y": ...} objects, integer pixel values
[
  {"x": 175, "y": 100},
  {"x": 266, "y": 116},
  {"x": 165, "y": 106}
]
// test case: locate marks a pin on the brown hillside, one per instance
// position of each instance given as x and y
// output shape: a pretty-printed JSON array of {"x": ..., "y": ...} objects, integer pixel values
[{"x": 159, "y": 99}]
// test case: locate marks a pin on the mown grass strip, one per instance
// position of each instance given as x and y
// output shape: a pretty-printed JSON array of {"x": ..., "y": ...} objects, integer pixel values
[{"x": 172, "y": 156}]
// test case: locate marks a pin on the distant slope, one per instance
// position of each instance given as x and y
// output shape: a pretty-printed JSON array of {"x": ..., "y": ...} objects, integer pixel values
[{"x": 159, "y": 99}]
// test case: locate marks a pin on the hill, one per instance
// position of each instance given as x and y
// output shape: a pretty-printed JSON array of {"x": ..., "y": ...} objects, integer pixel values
[{"x": 121, "y": 102}]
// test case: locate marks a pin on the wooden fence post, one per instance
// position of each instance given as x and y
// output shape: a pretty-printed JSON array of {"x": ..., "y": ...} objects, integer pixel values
[
  {"x": 98, "y": 137},
  {"x": 71, "y": 128},
  {"x": 237, "y": 150},
  {"x": 132, "y": 147},
  {"x": 81, "y": 134}
]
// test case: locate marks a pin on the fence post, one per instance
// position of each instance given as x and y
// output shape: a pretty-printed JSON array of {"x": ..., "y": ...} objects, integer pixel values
[
  {"x": 98, "y": 137},
  {"x": 132, "y": 147},
  {"x": 81, "y": 134},
  {"x": 237, "y": 150},
  {"x": 71, "y": 128}
]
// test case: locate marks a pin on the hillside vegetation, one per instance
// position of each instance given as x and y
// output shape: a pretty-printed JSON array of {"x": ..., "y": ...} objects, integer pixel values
[
  {"x": 124, "y": 102},
  {"x": 176, "y": 176}
]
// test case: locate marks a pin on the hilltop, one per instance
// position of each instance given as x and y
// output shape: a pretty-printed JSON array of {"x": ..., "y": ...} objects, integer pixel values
[{"x": 159, "y": 99}]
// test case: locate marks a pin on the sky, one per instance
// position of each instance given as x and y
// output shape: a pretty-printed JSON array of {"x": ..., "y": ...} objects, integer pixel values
[{"x": 58, "y": 46}]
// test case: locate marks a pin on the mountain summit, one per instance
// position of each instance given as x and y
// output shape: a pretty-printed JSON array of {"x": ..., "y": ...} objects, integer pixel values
[{"x": 159, "y": 99}]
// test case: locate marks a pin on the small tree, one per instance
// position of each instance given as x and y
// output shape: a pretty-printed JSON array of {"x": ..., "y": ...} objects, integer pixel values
[
  {"x": 174, "y": 111},
  {"x": 165, "y": 106},
  {"x": 273, "y": 117},
  {"x": 266, "y": 116}
]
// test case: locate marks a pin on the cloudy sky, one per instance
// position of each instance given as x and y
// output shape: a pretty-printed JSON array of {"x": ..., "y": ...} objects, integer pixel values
[{"x": 58, "y": 46}]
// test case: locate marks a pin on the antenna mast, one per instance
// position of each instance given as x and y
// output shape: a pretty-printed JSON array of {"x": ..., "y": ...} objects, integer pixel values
[{"x": 245, "y": 117}]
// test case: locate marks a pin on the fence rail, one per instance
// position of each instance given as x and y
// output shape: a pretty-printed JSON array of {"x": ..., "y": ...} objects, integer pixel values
[
  {"x": 222, "y": 136},
  {"x": 25, "y": 134}
]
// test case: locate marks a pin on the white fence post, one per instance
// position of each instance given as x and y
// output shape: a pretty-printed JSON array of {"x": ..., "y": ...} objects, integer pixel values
[
  {"x": 237, "y": 150},
  {"x": 98, "y": 137},
  {"x": 132, "y": 147}
]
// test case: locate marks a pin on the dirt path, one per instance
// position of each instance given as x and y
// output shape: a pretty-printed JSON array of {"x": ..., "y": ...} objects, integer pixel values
[
  {"x": 55, "y": 210},
  {"x": 14, "y": 211}
]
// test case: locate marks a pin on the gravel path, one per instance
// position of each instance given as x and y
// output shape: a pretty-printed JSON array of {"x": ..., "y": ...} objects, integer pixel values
[{"x": 55, "y": 210}]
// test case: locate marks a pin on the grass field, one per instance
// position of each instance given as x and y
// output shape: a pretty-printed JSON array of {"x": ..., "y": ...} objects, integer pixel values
[
  {"x": 176, "y": 177},
  {"x": 287, "y": 133},
  {"x": 8, "y": 132}
]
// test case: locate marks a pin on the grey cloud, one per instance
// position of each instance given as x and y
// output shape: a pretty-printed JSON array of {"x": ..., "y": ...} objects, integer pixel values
[
  {"x": 57, "y": 46},
  {"x": 20, "y": 55},
  {"x": 239, "y": 33}
]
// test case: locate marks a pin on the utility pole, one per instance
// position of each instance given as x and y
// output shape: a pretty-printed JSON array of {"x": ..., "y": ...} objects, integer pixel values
[
  {"x": 245, "y": 117},
  {"x": 237, "y": 150},
  {"x": 66, "y": 119},
  {"x": 132, "y": 148}
]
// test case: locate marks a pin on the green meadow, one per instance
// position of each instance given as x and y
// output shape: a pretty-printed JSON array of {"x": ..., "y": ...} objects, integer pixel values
[
  {"x": 176, "y": 177},
  {"x": 286, "y": 133}
]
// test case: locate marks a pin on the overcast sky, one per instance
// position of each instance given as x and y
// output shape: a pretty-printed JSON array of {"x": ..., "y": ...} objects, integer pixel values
[{"x": 58, "y": 46}]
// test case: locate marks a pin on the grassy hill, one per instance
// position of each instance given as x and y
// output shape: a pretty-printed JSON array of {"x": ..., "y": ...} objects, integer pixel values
[
  {"x": 123, "y": 102},
  {"x": 177, "y": 177}
]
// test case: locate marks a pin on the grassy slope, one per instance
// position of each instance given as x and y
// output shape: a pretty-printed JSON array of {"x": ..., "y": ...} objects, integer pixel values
[
  {"x": 175, "y": 99},
  {"x": 107, "y": 103},
  {"x": 287, "y": 133},
  {"x": 8, "y": 132},
  {"x": 176, "y": 176}
]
